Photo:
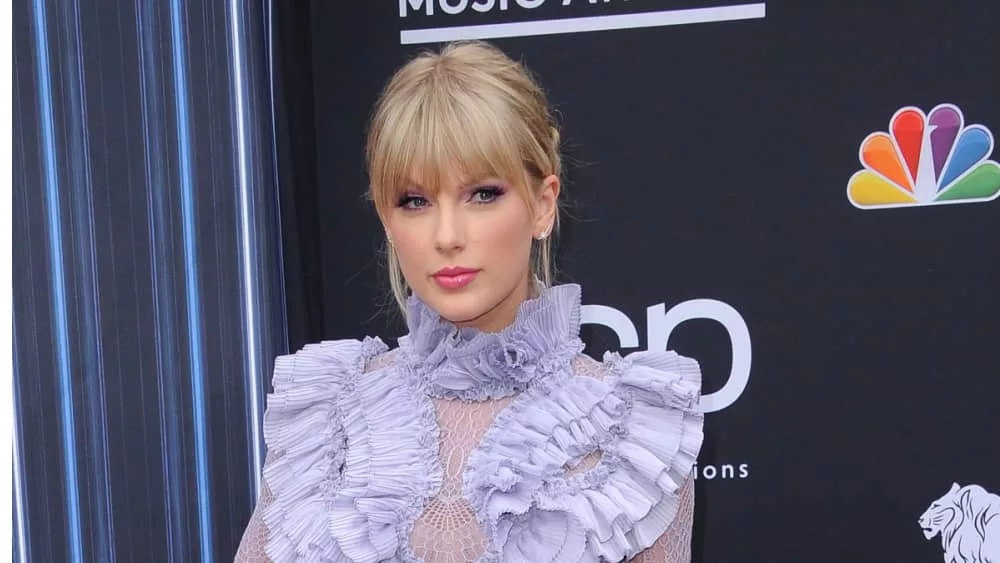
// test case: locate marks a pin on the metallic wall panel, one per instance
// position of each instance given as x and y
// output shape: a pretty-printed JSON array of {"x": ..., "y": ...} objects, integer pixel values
[{"x": 148, "y": 304}]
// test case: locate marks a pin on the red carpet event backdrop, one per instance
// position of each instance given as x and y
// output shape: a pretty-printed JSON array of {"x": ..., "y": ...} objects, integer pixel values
[{"x": 801, "y": 195}]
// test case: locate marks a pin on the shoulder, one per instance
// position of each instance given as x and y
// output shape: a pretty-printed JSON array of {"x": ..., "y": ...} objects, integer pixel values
[
  {"x": 321, "y": 396},
  {"x": 325, "y": 364},
  {"x": 307, "y": 385},
  {"x": 662, "y": 377}
]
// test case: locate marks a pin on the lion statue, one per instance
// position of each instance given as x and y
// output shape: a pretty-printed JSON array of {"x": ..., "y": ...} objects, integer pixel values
[{"x": 968, "y": 519}]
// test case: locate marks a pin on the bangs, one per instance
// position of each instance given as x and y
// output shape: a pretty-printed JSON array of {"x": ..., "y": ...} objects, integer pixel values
[{"x": 440, "y": 133}]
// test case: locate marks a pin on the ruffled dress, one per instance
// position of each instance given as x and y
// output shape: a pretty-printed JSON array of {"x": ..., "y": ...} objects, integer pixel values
[{"x": 461, "y": 445}]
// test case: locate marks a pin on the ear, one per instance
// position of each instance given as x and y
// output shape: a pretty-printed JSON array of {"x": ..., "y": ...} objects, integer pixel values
[
  {"x": 546, "y": 205},
  {"x": 954, "y": 488}
]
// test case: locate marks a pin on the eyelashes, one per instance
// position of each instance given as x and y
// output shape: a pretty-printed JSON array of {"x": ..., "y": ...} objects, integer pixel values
[
  {"x": 480, "y": 195},
  {"x": 410, "y": 201},
  {"x": 489, "y": 194}
]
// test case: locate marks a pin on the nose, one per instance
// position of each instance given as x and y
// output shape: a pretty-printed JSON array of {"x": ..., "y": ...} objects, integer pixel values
[{"x": 449, "y": 233}]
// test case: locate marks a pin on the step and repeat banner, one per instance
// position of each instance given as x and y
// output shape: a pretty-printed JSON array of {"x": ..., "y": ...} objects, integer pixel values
[{"x": 801, "y": 195}]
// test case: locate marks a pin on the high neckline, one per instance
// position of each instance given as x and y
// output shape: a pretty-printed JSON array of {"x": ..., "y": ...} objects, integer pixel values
[{"x": 470, "y": 364}]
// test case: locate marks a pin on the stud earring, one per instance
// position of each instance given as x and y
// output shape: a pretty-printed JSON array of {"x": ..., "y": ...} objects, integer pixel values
[{"x": 543, "y": 235}]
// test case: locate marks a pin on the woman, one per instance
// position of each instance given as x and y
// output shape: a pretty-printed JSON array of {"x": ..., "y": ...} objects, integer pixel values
[{"x": 486, "y": 434}]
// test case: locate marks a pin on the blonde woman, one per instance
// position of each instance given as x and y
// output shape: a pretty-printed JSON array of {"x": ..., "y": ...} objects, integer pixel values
[{"x": 487, "y": 434}]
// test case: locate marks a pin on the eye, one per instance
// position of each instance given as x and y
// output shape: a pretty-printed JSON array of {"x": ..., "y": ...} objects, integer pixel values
[
  {"x": 486, "y": 194},
  {"x": 412, "y": 201}
]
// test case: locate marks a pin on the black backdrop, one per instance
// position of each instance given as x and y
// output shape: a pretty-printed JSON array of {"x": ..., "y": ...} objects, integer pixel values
[{"x": 711, "y": 161}]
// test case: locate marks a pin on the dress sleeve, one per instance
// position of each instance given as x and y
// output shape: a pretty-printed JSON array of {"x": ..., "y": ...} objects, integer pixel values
[
  {"x": 674, "y": 546},
  {"x": 664, "y": 432},
  {"x": 643, "y": 418},
  {"x": 304, "y": 434}
]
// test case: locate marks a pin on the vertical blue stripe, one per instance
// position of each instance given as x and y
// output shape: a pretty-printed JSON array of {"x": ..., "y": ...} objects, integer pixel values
[
  {"x": 61, "y": 336},
  {"x": 191, "y": 281},
  {"x": 22, "y": 548},
  {"x": 91, "y": 348},
  {"x": 248, "y": 245},
  {"x": 22, "y": 551},
  {"x": 276, "y": 185},
  {"x": 159, "y": 239}
]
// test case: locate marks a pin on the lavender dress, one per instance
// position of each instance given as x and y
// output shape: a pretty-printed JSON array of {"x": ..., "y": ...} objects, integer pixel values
[{"x": 461, "y": 445}]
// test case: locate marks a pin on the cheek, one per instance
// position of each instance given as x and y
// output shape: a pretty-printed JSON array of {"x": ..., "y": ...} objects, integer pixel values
[
  {"x": 410, "y": 242},
  {"x": 507, "y": 230}
]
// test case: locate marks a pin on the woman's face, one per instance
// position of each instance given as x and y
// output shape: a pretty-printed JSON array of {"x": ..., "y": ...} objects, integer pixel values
[{"x": 465, "y": 251}]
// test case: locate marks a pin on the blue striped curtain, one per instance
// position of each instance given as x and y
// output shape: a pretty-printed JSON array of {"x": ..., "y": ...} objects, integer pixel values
[{"x": 148, "y": 301}]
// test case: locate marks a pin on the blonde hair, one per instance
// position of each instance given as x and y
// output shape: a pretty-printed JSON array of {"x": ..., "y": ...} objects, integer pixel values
[{"x": 472, "y": 107}]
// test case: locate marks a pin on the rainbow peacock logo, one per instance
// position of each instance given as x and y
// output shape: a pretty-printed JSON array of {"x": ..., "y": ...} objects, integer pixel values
[{"x": 925, "y": 159}]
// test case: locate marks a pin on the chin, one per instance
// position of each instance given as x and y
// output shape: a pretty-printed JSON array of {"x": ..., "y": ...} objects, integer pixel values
[
  {"x": 458, "y": 307},
  {"x": 456, "y": 312}
]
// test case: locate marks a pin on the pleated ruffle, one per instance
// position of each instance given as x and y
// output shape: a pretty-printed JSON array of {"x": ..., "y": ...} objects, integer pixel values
[
  {"x": 642, "y": 418},
  {"x": 472, "y": 365},
  {"x": 356, "y": 456}
]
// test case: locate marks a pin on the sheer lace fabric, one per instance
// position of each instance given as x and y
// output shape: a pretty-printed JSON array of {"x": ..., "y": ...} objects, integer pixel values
[
  {"x": 253, "y": 546},
  {"x": 447, "y": 530}
]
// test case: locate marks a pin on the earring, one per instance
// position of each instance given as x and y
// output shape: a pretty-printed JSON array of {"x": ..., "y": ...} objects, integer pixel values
[
  {"x": 388, "y": 238},
  {"x": 543, "y": 235}
]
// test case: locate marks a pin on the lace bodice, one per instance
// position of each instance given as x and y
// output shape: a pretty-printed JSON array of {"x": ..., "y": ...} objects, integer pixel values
[{"x": 436, "y": 452}]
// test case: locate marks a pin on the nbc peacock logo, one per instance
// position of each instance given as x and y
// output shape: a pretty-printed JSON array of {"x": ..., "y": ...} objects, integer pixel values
[{"x": 925, "y": 159}]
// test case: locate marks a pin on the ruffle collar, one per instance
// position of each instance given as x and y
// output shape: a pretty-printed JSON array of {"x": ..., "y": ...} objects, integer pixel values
[{"x": 469, "y": 364}]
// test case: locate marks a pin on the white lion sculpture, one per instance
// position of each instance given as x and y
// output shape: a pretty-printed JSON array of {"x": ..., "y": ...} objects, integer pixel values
[{"x": 968, "y": 519}]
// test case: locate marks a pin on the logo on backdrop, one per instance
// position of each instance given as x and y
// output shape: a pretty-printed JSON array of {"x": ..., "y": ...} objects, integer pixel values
[
  {"x": 550, "y": 18},
  {"x": 925, "y": 159},
  {"x": 968, "y": 521},
  {"x": 660, "y": 324}
]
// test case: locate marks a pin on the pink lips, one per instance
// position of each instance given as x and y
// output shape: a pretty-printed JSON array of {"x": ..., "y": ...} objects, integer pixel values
[{"x": 454, "y": 277}]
